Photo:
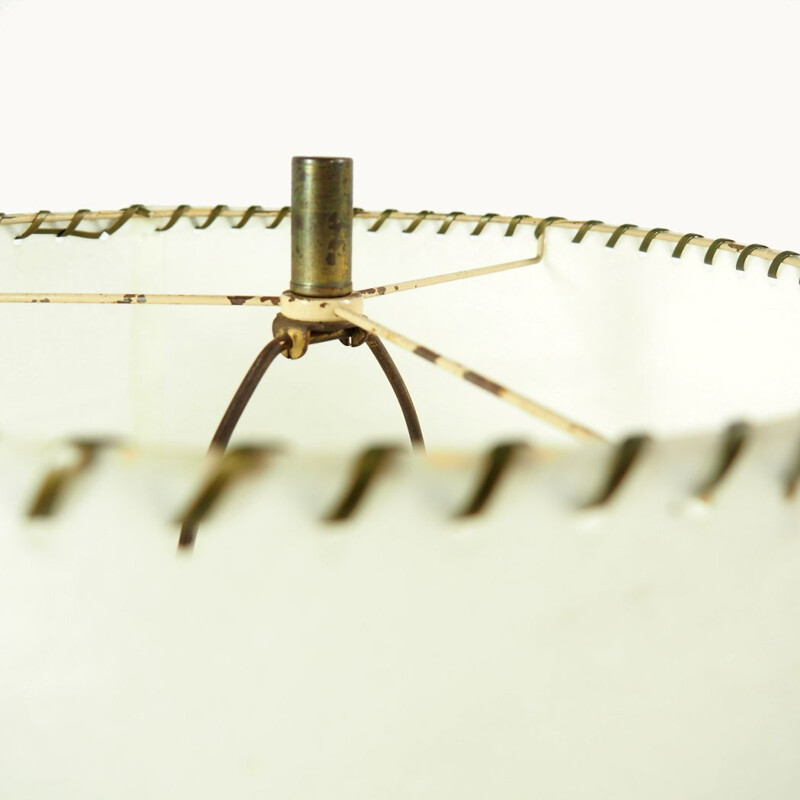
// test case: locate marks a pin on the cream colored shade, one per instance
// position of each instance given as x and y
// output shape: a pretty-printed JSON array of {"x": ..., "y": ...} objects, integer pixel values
[{"x": 644, "y": 647}]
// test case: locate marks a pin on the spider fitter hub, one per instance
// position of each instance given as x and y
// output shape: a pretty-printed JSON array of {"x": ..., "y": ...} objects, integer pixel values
[
  {"x": 322, "y": 234},
  {"x": 321, "y": 306}
]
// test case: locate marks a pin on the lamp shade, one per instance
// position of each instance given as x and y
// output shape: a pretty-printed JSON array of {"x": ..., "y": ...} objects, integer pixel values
[{"x": 514, "y": 612}]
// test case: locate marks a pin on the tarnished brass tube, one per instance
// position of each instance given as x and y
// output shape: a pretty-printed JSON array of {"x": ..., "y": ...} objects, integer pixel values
[{"x": 322, "y": 226}]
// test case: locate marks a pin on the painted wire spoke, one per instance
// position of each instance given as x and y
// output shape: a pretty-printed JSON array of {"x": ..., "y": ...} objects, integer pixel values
[
  {"x": 447, "y": 277},
  {"x": 142, "y": 299},
  {"x": 453, "y": 367},
  {"x": 247, "y": 300}
]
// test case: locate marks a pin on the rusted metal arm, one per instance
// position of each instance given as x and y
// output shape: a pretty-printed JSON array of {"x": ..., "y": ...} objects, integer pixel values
[
  {"x": 233, "y": 413},
  {"x": 400, "y": 390}
]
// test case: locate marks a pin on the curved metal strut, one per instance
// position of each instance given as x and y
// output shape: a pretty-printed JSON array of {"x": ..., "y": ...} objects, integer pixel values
[{"x": 281, "y": 344}]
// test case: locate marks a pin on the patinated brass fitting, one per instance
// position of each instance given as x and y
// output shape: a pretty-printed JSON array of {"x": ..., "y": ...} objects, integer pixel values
[{"x": 322, "y": 226}]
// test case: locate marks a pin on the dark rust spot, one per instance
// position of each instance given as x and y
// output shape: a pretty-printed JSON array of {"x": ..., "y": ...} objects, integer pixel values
[
  {"x": 381, "y": 290},
  {"x": 368, "y": 291},
  {"x": 428, "y": 355},
  {"x": 239, "y": 299},
  {"x": 484, "y": 383},
  {"x": 735, "y": 246},
  {"x": 126, "y": 298},
  {"x": 140, "y": 298}
]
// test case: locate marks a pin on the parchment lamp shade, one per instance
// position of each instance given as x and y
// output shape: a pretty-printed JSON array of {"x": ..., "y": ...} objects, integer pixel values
[{"x": 514, "y": 613}]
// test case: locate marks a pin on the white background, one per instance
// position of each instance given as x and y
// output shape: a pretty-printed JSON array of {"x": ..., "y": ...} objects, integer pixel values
[{"x": 681, "y": 115}]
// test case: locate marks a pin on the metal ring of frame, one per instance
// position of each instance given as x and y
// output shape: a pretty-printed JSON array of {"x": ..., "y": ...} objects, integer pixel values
[
  {"x": 415, "y": 223},
  {"x": 617, "y": 235},
  {"x": 35, "y": 225},
  {"x": 53, "y": 490},
  {"x": 712, "y": 249},
  {"x": 650, "y": 237},
  {"x": 449, "y": 220},
  {"x": 584, "y": 229},
  {"x": 684, "y": 240},
  {"x": 482, "y": 222},
  {"x": 515, "y": 221},
  {"x": 746, "y": 252},
  {"x": 778, "y": 260}
]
